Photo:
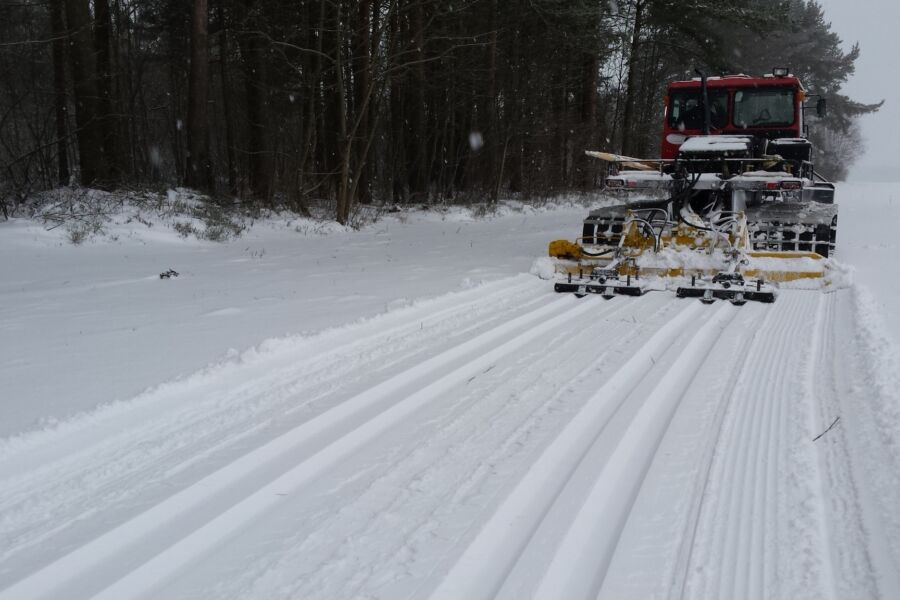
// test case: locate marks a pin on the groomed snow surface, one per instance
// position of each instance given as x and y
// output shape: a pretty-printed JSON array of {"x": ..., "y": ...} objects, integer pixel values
[{"x": 406, "y": 412}]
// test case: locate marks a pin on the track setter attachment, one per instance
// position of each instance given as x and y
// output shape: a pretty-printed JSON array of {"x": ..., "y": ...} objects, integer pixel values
[
  {"x": 605, "y": 282},
  {"x": 727, "y": 286},
  {"x": 652, "y": 250}
]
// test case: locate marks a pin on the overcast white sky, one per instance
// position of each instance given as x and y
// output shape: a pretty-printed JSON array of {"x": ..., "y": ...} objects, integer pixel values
[{"x": 875, "y": 24}]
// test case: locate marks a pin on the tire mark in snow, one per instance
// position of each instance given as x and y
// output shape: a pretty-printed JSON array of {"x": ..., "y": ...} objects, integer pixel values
[{"x": 323, "y": 431}]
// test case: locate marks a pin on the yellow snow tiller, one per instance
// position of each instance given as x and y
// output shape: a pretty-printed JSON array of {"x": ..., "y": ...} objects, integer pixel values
[{"x": 649, "y": 249}]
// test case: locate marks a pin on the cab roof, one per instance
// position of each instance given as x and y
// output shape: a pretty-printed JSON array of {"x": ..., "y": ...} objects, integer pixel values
[{"x": 739, "y": 81}]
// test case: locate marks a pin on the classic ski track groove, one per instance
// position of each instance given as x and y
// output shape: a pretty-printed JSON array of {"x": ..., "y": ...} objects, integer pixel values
[
  {"x": 90, "y": 555},
  {"x": 504, "y": 538},
  {"x": 744, "y": 512},
  {"x": 737, "y": 378},
  {"x": 506, "y": 298},
  {"x": 233, "y": 421},
  {"x": 35, "y": 487},
  {"x": 454, "y": 437},
  {"x": 580, "y": 562},
  {"x": 204, "y": 539},
  {"x": 739, "y": 457},
  {"x": 741, "y": 535},
  {"x": 835, "y": 520}
]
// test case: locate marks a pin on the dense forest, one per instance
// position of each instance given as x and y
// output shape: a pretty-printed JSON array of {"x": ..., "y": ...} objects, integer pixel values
[{"x": 289, "y": 103}]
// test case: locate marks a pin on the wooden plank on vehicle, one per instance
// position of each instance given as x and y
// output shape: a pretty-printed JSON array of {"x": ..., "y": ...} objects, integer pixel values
[{"x": 625, "y": 161}]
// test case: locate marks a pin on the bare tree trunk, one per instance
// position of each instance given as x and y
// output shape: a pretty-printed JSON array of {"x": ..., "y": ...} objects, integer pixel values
[
  {"x": 308, "y": 158},
  {"x": 94, "y": 169},
  {"x": 362, "y": 84},
  {"x": 198, "y": 171},
  {"x": 514, "y": 135},
  {"x": 631, "y": 87},
  {"x": 398, "y": 143},
  {"x": 226, "y": 99},
  {"x": 560, "y": 112},
  {"x": 344, "y": 145},
  {"x": 175, "y": 119},
  {"x": 416, "y": 135},
  {"x": 591, "y": 68},
  {"x": 490, "y": 139},
  {"x": 110, "y": 111},
  {"x": 134, "y": 155},
  {"x": 253, "y": 49},
  {"x": 331, "y": 138},
  {"x": 58, "y": 26}
]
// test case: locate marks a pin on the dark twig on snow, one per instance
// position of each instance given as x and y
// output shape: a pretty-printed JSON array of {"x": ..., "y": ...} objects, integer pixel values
[{"x": 833, "y": 423}]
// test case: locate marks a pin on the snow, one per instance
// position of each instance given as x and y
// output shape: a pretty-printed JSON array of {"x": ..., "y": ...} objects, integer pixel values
[
  {"x": 868, "y": 239},
  {"x": 715, "y": 143},
  {"x": 98, "y": 317},
  {"x": 766, "y": 174},
  {"x": 409, "y": 411},
  {"x": 642, "y": 175}
]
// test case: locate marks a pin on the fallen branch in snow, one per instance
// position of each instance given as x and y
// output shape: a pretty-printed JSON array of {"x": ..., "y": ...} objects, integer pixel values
[{"x": 833, "y": 423}]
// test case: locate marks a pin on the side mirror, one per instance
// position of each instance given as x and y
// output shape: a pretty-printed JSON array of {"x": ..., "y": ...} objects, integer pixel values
[{"x": 821, "y": 108}]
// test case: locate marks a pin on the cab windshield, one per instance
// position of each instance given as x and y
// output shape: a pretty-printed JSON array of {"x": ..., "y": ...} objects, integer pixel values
[
  {"x": 686, "y": 109},
  {"x": 759, "y": 108}
]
